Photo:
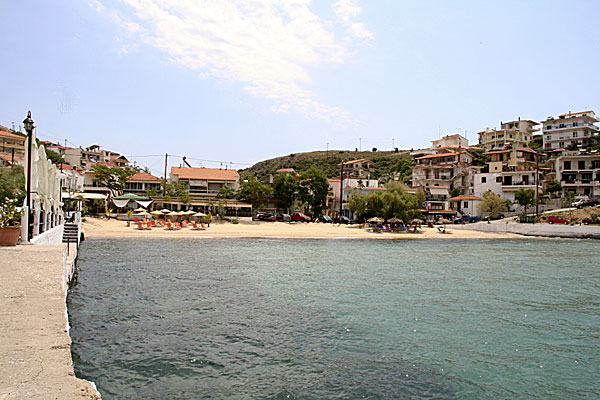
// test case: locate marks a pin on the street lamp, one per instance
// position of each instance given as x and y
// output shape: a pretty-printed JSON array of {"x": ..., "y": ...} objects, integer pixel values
[{"x": 28, "y": 124}]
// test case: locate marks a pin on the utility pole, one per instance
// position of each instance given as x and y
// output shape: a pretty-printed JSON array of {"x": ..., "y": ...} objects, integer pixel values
[
  {"x": 393, "y": 144},
  {"x": 359, "y": 144},
  {"x": 165, "y": 179}
]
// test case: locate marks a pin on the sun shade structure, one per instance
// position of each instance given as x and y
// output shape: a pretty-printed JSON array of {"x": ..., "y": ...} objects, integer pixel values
[{"x": 375, "y": 219}]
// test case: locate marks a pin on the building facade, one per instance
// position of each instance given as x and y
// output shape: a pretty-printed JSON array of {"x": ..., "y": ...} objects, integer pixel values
[
  {"x": 579, "y": 172},
  {"x": 513, "y": 133},
  {"x": 569, "y": 130}
]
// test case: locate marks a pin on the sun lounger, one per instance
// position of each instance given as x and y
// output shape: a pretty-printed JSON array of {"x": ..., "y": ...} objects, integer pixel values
[
  {"x": 140, "y": 226},
  {"x": 148, "y": 225},
  {"x": 196, "y": 227},
  {"x": 169, "y": 226}
]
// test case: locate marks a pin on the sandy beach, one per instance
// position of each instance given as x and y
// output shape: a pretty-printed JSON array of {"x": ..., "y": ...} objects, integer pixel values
[{"x": 95, "y": 227}]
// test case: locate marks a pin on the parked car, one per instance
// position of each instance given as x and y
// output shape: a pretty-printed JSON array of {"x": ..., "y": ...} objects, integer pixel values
[
  {"x": 590, "y": 221},
  {"x": 284, "y": 217},
  {"x": 265, "y": 217},
  {"x": 342, "y": 220},
  {"x": 557, "y": 219},
  {"x": 466, "y": 219},
  {"x": 299, "y": 217},
  {"x": 324, "y": 218},
  {"x": 585, "y": 203}
]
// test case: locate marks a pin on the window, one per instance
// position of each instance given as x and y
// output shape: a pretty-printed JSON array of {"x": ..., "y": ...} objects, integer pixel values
[
  {"x": 567, "y": 165},
  {"x": 483, "y": 179},
  {"x": 498, "y": 179},
  {"x": 549, "y": 127},
  {"x": 575, "y": 134},
  {"x": 575, "y": 124},
  {"x": 581, "y": 165},
  {"x": 466, "y": 204}
]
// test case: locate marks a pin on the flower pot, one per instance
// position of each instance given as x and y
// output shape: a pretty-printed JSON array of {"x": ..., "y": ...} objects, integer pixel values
[{"x": 9, "y": 235}]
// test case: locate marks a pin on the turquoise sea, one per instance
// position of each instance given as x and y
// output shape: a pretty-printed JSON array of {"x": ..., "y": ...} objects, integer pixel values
[{"x": 338, "y": 319}]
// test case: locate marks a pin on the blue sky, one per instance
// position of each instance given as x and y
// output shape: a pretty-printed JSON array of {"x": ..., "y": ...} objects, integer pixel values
[{"x": 243, "y": 81}]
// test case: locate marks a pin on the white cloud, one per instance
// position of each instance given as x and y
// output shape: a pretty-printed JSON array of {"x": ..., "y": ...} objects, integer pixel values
[
  {"x": 268, "y": 45},
  {"x": 347, "y": 11}
]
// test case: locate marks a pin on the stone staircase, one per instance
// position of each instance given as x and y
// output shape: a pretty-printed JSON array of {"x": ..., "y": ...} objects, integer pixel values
[{"x": 70, "y": 233}]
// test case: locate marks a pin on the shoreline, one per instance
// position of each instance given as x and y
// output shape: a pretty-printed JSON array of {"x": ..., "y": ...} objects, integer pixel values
[{"x": 98, "y": 228}]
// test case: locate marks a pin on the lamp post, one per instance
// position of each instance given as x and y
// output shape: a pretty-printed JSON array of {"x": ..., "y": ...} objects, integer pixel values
[{"x": 28, "y": 124}]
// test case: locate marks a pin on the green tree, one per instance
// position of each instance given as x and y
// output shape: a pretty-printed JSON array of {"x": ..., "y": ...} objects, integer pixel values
[
  {"x": 227, "y": 193},
  {"x": 285, "y": 189},
  {"x": 53, "y": 156},
  {"x": 114, "y": 178},
  {"x": 479, "y": 158},
  {"x": 494, "y": 204},
  {"x": 314, "y": 188},
  {"x": 525, "y": 197},
  {"x": 12, "y": 183},
  {"x": 569, "y": 197},
  {"x": 357, "y": 203},
  {"x": 537, "y": 143},
  {"x": 455, "y": 192},
  {"x": 553, "y": 187},
  {"x": 403, "y": 168},
  {"x": 254, "y": 192}
]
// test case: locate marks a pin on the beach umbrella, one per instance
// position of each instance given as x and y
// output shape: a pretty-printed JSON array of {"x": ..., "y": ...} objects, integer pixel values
[
  {"x": 188, "y": 212},
  {"x": 394, "y": 220},
  {"x": 416, "y": 221},
  {"x": 199, "y": 214},
  {"x": 165, "y": 211},
  {"x": 156, "y": 213},
  {"x": 142, "y": 213},
  {"x": 139, "y": 209},
  {"x": 376, "y": 220}
]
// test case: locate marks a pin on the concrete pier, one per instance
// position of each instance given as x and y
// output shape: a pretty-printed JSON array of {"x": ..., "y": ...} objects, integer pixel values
[{"x": 35, "y": 352}]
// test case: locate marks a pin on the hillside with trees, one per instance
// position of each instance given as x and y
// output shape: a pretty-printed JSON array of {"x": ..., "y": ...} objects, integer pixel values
[{"x": 386, "y": 163}]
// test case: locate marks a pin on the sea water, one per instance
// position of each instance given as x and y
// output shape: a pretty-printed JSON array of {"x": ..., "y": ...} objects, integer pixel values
[{"x": 338, "y": 319}]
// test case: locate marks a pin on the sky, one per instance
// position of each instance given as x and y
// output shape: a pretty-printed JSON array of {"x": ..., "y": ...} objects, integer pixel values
[{"x": 232, "y": 83}]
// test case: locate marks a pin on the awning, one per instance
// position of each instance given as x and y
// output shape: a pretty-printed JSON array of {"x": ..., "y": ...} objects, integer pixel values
[
  {"x": 438, "y": 191},
  {"x": 86, "y": 196}
]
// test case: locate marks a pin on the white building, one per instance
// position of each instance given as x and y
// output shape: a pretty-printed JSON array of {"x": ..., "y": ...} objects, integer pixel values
[
  {"x": 514, "y": 133},
  {"x": 569, "y": 130},
  {"x": 579, "y": 173}
]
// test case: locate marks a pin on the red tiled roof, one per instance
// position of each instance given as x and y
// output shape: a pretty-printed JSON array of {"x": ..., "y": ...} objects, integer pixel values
[
  {"x": 143, "y": 176},
  {"x": 12, "y": 135},
  {"x": 355, "y": 161},
  {"x": 464, "y": 198},
  {"x": 525, "y": 149},
  {"x": 205, "y": 173},
  {"x": 450, "y": 153}
]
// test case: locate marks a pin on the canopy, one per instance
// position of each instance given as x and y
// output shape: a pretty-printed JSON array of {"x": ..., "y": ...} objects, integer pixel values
[
  {"x": 130, "y": 196},
  {"x": 86, "y": 196}
]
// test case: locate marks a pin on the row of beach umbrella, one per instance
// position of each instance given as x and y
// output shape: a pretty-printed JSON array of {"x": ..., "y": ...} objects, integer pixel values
[
  {"x": 394, "y": 220},
  {"x": 143, "y": 213}
]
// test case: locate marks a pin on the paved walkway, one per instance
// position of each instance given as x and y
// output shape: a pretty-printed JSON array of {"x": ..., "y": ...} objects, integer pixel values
[{"x": 35, "y": 355}]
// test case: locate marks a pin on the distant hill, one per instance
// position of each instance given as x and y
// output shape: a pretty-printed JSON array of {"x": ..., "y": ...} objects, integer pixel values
[{"x": 326, "y": 161}]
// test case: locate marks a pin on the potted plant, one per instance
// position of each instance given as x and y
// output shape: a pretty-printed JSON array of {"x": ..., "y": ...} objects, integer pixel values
[{"x": 10, "y": 222}]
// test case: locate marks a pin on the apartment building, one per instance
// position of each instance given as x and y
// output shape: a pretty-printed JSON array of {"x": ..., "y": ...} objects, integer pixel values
[
  {"x": 450, "y": 141},
  {"x": 569, "y": 130},
  {"x": 509, "y": 171},
  {"x": 142, "y": 183},
  {"x": 579, "y": 172},
  {"x": 438, "y": 174},
  {"x": 357, "y": 168},
  {"x": 206, "y": 181},
  {"x": 513, "y": 133},
  {"x": 12, "y": 146}
]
